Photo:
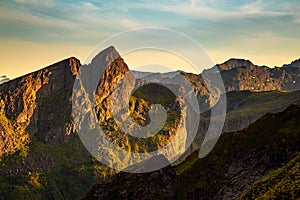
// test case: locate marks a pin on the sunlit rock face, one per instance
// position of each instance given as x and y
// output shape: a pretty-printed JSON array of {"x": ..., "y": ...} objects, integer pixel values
[
  {"x": 120, "y": 109},
  {"x": 38, "y": 104}
]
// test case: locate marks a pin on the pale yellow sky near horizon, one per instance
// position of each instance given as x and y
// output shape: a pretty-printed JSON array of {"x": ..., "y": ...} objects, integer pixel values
[
  {"x": 19, "y": 57},
  {"x": 36, "y": 33}
]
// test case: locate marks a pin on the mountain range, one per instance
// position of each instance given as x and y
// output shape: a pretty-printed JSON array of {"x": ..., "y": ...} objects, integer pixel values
[{"x": 42, "y": 156}]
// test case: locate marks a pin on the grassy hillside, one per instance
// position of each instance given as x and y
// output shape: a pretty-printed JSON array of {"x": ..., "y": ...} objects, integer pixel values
[
  {"x": 283, "y": 183},
  {"x": 246, "y": 103},
  {"x": 62, "y": 171}
]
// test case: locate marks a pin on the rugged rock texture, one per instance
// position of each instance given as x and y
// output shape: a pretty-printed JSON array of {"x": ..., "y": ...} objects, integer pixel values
[
  {"x": 235, "y": 63},
  {"x": 243, "y": 75},
  {"x": 28, "y": 105},
  {"x": 108, "y": 83}
]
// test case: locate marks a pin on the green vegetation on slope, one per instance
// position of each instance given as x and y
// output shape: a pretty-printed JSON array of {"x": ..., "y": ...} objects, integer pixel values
[
  {"x": 139, "y": 105},
  {"x": 35, "y": 168},
  {"x": 16, "y": 139},
  {"x": 275, "y": 136},
  {"x": 62, "y": 171},
  {"x": 283, "y": 183},
  {"x": 246, "y": 103}
]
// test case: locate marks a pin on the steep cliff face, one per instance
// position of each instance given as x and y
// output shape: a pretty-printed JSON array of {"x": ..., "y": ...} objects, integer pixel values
[
  {"x": 30, "y": 103},
  {"x": 137, "y": 107},
  {"x": 38, "y": 104},
  {"x": 108, "y": 83},
  {"x": 38, "y": 139}
]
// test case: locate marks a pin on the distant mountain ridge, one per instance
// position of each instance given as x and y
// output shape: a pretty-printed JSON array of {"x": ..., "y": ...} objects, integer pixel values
[
  {"x": 234, "y": 63},
  {"x": 240, "y": 74},
  {"x": 240, "y": 62},
  {"x": 295, "y": 63},
  {"x": 154, "y": 76}
]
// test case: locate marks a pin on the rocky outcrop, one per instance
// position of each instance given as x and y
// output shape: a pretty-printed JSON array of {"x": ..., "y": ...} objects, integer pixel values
[
  {"x": 243, "y": 75},
  {"x": 38, "y": 105},
  {"x": 235, "y": 63},
  {"x": 115, "y": 106},
  {"x": 36, "y": 122}
]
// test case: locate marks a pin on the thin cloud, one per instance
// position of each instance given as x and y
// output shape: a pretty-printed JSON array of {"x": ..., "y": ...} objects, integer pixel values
[
  {"x": 90, "y": 6},
  {"x": 203, "y": 11},
  {"x": 39, "y": 3},
  {"x": 31, "y": 19}
]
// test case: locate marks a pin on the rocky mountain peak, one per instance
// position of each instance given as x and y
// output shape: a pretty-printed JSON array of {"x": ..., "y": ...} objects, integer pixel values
[
  {"x": 108, "y": 55},
  {"x": 35, "y": 101},
  {"x": 234, "y": 63},
  {"x": 105, "y": 70}
]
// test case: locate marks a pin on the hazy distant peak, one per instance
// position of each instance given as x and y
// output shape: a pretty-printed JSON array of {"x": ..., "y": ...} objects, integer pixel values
[
  {"x": 3, "y": 79},
  {"x": 154, "y": 75},
  {"x": 108, "y": 55}
]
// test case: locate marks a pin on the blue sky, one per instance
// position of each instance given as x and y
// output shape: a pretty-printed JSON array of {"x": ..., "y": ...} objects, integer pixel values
[{"x": 35, "y": 33}]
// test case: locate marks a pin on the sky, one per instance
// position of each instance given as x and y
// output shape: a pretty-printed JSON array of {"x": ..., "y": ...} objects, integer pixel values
[{"x": 37, "y": 33}]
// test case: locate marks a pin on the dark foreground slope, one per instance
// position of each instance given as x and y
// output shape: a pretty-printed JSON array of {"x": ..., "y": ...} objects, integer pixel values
[
  {"x": 237, "y": 161},
  {"x": 283, "y": 183},
  {"x": 241, "y": 158}
]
